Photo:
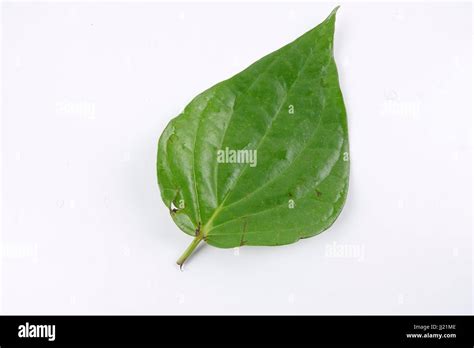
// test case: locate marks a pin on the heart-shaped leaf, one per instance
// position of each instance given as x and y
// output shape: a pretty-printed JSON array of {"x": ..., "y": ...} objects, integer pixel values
[{"x": 263, "y": 157}]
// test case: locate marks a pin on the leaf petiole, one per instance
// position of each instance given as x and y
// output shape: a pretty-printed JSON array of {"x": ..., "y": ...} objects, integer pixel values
[{"x": 189, "y": 250}]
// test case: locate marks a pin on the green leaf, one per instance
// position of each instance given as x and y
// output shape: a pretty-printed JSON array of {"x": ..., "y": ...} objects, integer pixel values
[{"x": 263, "y": 157}]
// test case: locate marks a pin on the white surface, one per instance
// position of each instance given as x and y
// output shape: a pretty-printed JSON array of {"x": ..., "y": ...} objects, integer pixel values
[{"x": 87, "y": 90}]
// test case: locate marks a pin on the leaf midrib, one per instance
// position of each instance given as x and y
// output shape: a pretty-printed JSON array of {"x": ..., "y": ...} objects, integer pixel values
[
  {"x": 277, "y": 206},
  {"x": 221, "y": 205}
]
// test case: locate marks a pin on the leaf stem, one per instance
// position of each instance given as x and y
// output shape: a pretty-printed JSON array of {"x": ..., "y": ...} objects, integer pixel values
[{"x": 189, "y": 250}]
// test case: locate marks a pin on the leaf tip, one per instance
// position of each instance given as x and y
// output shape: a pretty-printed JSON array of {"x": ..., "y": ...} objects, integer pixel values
[{"x": 333, "y": 13}]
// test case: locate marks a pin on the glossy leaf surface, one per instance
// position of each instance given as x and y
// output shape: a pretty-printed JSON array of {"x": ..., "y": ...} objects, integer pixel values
[{"x": 263, "y": 157}]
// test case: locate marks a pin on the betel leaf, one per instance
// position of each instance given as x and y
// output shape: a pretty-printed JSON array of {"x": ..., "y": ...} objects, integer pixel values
[{"x": 263, "y": 157}]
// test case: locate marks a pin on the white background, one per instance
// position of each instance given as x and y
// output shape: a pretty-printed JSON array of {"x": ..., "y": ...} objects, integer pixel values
[{"x": 88, "y": 88}]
